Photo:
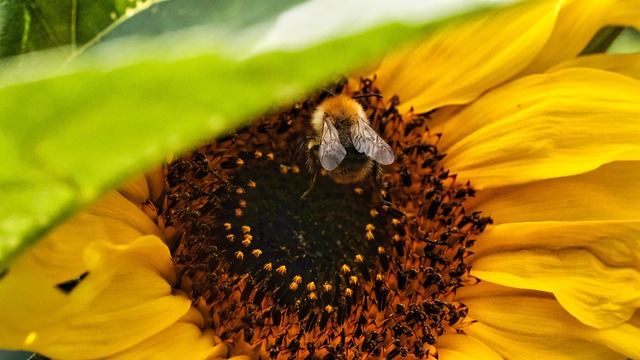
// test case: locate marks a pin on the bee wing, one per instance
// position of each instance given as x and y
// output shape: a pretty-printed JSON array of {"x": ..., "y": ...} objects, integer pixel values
[
  {"x": 367, "y": 141},
  {"x": 331, "y": 150}
]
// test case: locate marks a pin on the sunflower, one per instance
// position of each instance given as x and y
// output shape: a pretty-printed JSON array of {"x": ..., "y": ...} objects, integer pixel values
[{"x": 505, "y": 228}]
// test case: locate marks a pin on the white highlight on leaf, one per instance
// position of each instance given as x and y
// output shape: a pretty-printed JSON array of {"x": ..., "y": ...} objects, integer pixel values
[{"x": 316, "y": 21}]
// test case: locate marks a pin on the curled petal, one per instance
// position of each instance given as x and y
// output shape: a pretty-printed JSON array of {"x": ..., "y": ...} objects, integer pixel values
[
  {"x": 598, "y": 295},
  {"x": 446, "y": 70},
  {"x": 120, "y": 210},
  {"x": 156, "y": 180},
  {"x": 143, "y": 187},
  {"x": 513, "y": 323},
  {"x": 578, "y": 20},
  {"x": 575, "y": 237},
  {"x": 544, "y": 126},
  {"x": 592, "y": 267},
  {"x": 135, "y": 190},
  {"x": 114, "y": 219},
  {"x": 125, "y": 298}
]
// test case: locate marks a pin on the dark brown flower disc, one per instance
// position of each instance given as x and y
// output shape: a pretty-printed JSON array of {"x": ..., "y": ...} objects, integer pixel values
[{"x": 352, "y": 271}]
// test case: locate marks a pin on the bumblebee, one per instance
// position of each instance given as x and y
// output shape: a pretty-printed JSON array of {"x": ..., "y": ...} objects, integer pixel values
[{"x": 344, "y": 143}]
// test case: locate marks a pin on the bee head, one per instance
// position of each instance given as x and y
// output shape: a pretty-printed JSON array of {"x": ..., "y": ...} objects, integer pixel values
[{"x": 342, "y": 123}]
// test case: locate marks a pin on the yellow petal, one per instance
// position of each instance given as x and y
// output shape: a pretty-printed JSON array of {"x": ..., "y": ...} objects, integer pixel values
[
  {"x": 179, "y": 341},
  {"x": 591, "y": 267},
  {"x": 143, "y": 187},
  {"x": 135, "y": 190},
  {"x": 520, "y": 326},
  {"x": 625, "y": 13},
  {"x": 610, "y": 192},
  {"x": 22, "y": 294},
  {"x": 463, "y": 347},
  {"x": 626, "y": 64},
  {"x": 577, "y": 22},
  {"x": 113, "y": 219},
  {"x": 460, "y": 62},
  {"x": 193, "y": 316},
  {"x": 622, "y": 338},
  {"x": 597, "y": 295},
  {"x": 117, "y": 208},
  {"x": 107, "y": 332},
  {"x": 156, "y": 179},
  {"x": 544, "y": 126},
  {"x": 615, "y": 243},
  {"x": 125, "y": 299}
]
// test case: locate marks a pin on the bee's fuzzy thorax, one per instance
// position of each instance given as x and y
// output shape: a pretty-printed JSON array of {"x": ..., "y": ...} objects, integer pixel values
[{"x": 340, "y": 106}]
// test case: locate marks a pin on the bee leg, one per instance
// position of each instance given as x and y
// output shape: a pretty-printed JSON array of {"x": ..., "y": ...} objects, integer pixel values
[
  {"x": 313, "y": 182},
  {"x": 313, "y": 163},
  {"x": 375, "y": 175},
  {"x": 302, "y": 145},
  {"x": 384, "y": 203}
]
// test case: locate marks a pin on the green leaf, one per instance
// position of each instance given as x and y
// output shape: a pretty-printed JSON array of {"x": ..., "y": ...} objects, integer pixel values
[
  {"x": 73, "y": 22},
  {"x": 602, "y": 40},
  {"x": 627, "y": 43},
  {"x": 229, "y": 17},
  {"x": 13, "y": 25},
  {"x": 71, "y": 133}
]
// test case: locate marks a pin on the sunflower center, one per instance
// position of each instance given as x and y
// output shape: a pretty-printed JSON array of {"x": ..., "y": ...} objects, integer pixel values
[
  {"x": 310, "y": 238},
  {"x": 340, "y": 273}
]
